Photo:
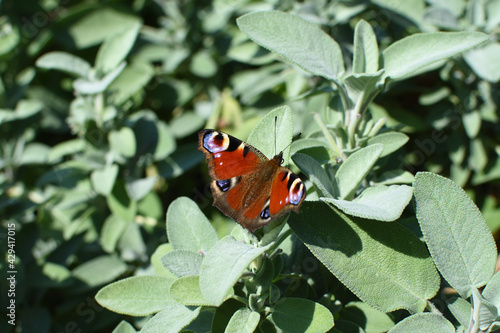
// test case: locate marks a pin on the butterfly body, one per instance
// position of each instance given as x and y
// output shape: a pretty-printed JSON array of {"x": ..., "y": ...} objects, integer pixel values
[{"x": 246, "y": 185}]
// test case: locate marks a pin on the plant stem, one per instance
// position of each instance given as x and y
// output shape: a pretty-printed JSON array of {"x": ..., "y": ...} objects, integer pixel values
[{"x": 326, "y": 133}]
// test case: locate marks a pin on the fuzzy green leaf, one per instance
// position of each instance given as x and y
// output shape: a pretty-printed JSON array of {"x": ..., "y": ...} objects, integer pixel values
[
  {"x": 381, "y": 203},
  {"x": 243, "y": 320},
  {"x": 103, "y": 180},
  {"x": 456, "y": 233},
  {"x": 186, "y": 291},
  {"x": 172, "y": 319},
  {"x": 116, "y": 47},
  {"x": 96, "y": 25},
  {"x": 120, "y": 203},
  {"x": 182, "y": 262},
  {"x": 100, "y": 270},
  {"x": 131, "y": 80},
  {"x": 91, "y": 87},
  {"x": 298, "y": 41},
  {"x": 139, "y": 188},
  {"x": 483, "y": 62},
  {"x": 392, "y": 141},
  {"x": 367, "y": 317},
  {"x": 352, "y": 172},
  {"x": 424, "y": 322},
  {"x": 123, "y": 141},
  {"x": 362, "y": 88},
  {"x": 365, "y": 52},
  {"x": 301, "y": 315},
  {"x": 417, "y": 51},
  {"x": 315, "y": 173},
  {"x": 492, "y": 290},
  {"x": 223, "y": 266},
  {"x": 262, "y": 136},
  {"x": 461, "y": 310},
  {"x": 137, "y": 295},
  {"x": 64, "y": 62},
  {"x": 384, "y": 264},
  {"x": 188, "y": 228},
  {"x": 112, "y": 229}
]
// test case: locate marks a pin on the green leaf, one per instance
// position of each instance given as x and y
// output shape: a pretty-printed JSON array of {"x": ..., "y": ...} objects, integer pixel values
[
  {"x": 424, "y": 322},
  {"x": 354, "y": 170},
  {"x": 103, "y": 180},
  {"x": 367, "y": 317},
  {"x": 492, "y": 290},
  {"x": 482, "y": 61},
  {"x": 151, "y": 206},
  {"x": 412, "y": 10},
  {"x": 365, "y": 53},
  {"x": 381, "y": 203},
  {"x": 461, "y": 310},
  {"x": 182, "y": 262},
  {"x": 172, "y": 319},
  {"x": 384, "y": 264},
  {"x": 9, "y": 41},
  {"x": 97, "y": 25},
  {"x": 301, "y": 315},
  {"x": 392, "y": 141},
  {"x": 262, "y": 134},
  {"x": 243, "y": 321},
  {"x": 116, "y": 48},
  {"x": 298, "y": 41},
  {"x": 64, "y": 62},
  {"x": 139, "y": 188},
  {"x": 395, "y": 177},
  {"x": 96, "y": 86},
  {"x": 130, "y": 81},
  {"x": 223, "y": 266},
  {"x": 186, "y": 291},
  {"x": 186, "y": 124},
  {"x": 315, "y": 173},
  {"x": 137, "y": 295},
  {"x": 472, "y": 123},
  {"x": 123, "y": 142},
  {"x": 362, "y": 88},
  {"x": 64, "y": 148},
  {"x": 124, "y": 327},
  {"x": 483, "y": 312},
  {"x": 100, "y": 270},
  {"x": 53, "y": 275},
  {"x": 223, "y": 314},
  {"x": 417, "y": 51},
  {"x": 166, "y": 142},
  {"x": 120, "y": 203},
  {"x": 34, "y": 153},
  {"x": 478, "y": 157},
  {"x": 112, "y": 229},
  {"x": 188, "y": 228},
  {"x": 456, "y": 233},
  {"x": 132, "y": 242},
  {"x": 203, "y": 65},
  {"x": 156, "y": 260},
  {"x": 24, "y": 109}
]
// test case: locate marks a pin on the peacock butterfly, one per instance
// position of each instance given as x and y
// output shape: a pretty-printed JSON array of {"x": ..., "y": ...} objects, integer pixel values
[{"x": 246, "y": 185}]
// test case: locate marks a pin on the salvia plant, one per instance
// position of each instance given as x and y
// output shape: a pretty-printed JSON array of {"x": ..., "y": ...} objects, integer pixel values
[{"x": 424, "y": 267}]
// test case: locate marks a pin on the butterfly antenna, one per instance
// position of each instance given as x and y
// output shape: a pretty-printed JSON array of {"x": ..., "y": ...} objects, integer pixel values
[
  {"x": 275, "y": 125},
  {"x": 292, "y": 141}
]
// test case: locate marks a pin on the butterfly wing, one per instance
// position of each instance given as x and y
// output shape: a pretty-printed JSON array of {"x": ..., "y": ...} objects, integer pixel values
[
  {"x": 247, "y": 186},
  {"x": 227, "y": 156},
  {"x": 287, "y": 193}
]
